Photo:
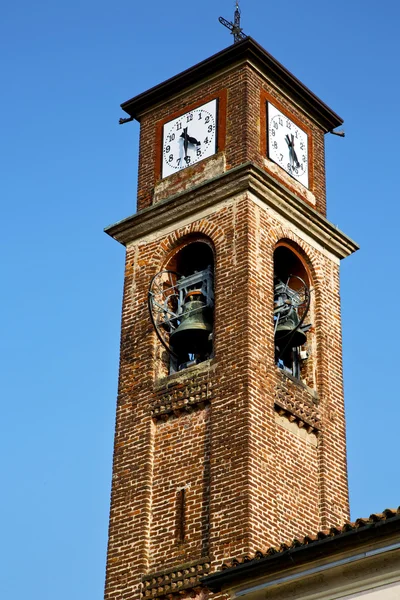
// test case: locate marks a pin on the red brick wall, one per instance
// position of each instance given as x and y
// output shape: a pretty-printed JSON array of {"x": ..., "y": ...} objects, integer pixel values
[
  {"x": 243, "y": 94},
  {"x": 297, "y": 502},
  {"x": 181, "y": 460},
  {"x": 263, "y": 484}
]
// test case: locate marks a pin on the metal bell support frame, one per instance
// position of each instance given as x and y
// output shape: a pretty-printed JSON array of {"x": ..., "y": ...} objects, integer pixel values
[
  {"x": 181, "y": 310},
  {"x": 288, "y": 324}
]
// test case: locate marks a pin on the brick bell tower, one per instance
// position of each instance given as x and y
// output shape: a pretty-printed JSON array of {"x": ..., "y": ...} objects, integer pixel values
[{"x": 230, "y": 430}]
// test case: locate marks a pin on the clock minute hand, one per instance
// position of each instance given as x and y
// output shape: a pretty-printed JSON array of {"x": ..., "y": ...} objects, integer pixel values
[{"x": 185, "y": 137}]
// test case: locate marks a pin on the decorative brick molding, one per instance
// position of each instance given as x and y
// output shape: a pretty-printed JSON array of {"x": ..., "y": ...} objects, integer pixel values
[
  {"x": 171, "y": 582},
  {"x": 178, "y": 395},
  {"x": 294, "y": 400}
]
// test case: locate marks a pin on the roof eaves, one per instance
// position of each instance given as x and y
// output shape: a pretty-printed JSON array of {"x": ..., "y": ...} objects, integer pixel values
[
  {"x": 246, "y": 49},
  {"x": 305, "y": 550}
]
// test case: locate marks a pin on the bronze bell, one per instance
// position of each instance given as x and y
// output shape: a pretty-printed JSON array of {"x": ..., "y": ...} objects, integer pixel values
[
  {"x": 286, "y": 333},
  {"x": 193, "y": 332}
]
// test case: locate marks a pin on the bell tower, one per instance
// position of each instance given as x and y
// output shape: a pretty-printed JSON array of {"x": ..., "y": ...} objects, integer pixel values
[{"x": 230, "y": 431}]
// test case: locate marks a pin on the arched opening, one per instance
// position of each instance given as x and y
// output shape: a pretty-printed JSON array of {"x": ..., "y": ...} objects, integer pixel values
[
  {"x": 181, "y": 303},
  {"x": 292, "y": 314},
  {"x": 194, "y": 256}
]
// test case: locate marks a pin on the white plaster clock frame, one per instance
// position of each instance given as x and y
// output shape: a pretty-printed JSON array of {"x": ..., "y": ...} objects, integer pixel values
[
  {"x": 189, "y": 138},
  {"x": 288, "y": 145}
]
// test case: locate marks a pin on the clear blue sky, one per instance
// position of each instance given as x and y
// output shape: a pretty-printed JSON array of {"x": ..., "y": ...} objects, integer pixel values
[{"x": 68, "y": 170}]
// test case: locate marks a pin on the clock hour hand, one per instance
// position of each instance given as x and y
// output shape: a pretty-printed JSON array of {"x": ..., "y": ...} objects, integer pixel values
[
  {"x": 193, "y": 141},
  {"x": 295, "y": 159},
  {"x": 189, "y": 138}
]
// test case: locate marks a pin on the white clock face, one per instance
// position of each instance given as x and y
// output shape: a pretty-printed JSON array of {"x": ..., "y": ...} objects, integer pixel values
[
  {"x": 287, "y": 145},
  {"x": 189, "y": 138}
]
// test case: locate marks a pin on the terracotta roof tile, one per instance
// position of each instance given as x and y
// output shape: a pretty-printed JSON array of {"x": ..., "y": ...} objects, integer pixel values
[{"x": 311, "y": 539}]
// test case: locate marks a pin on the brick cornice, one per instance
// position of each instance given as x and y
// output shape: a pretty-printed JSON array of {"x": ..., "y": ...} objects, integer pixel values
[
  {"x": 171, "y": 582},
  {"x": 296, "y": 401},
  {"x": 182, "y": 396},
  {"x": 246, "y": 178}
]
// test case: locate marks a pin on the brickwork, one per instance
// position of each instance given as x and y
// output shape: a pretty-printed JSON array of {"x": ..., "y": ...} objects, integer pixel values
[
  {"x": 243, "y": 93},
  {"x": 240, "y": 468},
  {"x": 181, "y": 460},
  {"x": 296, "y": 500},
  {"x": 232, "y": 455}
]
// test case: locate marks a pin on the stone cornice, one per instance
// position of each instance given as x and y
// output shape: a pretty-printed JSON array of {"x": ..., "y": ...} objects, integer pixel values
[{"x": 246, "y": 178}]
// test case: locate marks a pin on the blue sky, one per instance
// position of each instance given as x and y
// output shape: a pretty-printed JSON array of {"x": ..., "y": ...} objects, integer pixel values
[{"x": 68, "y": 170}]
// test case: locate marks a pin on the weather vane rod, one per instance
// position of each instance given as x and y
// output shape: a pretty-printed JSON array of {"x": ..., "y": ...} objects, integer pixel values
[{"x": 234, "y": 27}]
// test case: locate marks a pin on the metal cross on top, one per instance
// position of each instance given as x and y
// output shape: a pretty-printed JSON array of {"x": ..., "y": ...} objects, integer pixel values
[{"x": 234, "y": 27}]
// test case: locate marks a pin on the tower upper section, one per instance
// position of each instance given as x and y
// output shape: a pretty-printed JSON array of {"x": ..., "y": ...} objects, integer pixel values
[{"x": 256, "y": 111}]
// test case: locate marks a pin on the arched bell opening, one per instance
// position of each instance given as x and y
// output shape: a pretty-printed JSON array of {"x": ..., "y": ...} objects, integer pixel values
[
  {"x": 181, "y": 304},
  {"x": 293, "y": 333}
]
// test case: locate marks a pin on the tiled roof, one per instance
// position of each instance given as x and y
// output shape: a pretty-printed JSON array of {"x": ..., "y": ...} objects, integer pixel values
[
  {"x": 306, "y": 549},
  {"x": 333, "y": 532}
]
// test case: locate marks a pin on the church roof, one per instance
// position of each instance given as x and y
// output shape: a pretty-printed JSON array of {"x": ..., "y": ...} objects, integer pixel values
[
  {"x": 307, "y": 548},
  {"x": 248, "y": 49}
]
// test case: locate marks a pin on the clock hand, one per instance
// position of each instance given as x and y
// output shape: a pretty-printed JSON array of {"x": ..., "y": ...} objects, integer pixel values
[
  {"x": 292, "y": 152},
  {"x": 290, "y": 147},
  {"x": 185, "y": 137},
  {"x": 193, "y": 141},
  {"x": 296, "y": 160},
  {"x": 289, "y": 143}
]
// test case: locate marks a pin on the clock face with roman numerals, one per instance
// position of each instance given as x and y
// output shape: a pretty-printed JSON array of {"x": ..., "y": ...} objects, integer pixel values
[
  {"x": 287, "y": 145},
  {"x": 189, "y": 138}
]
